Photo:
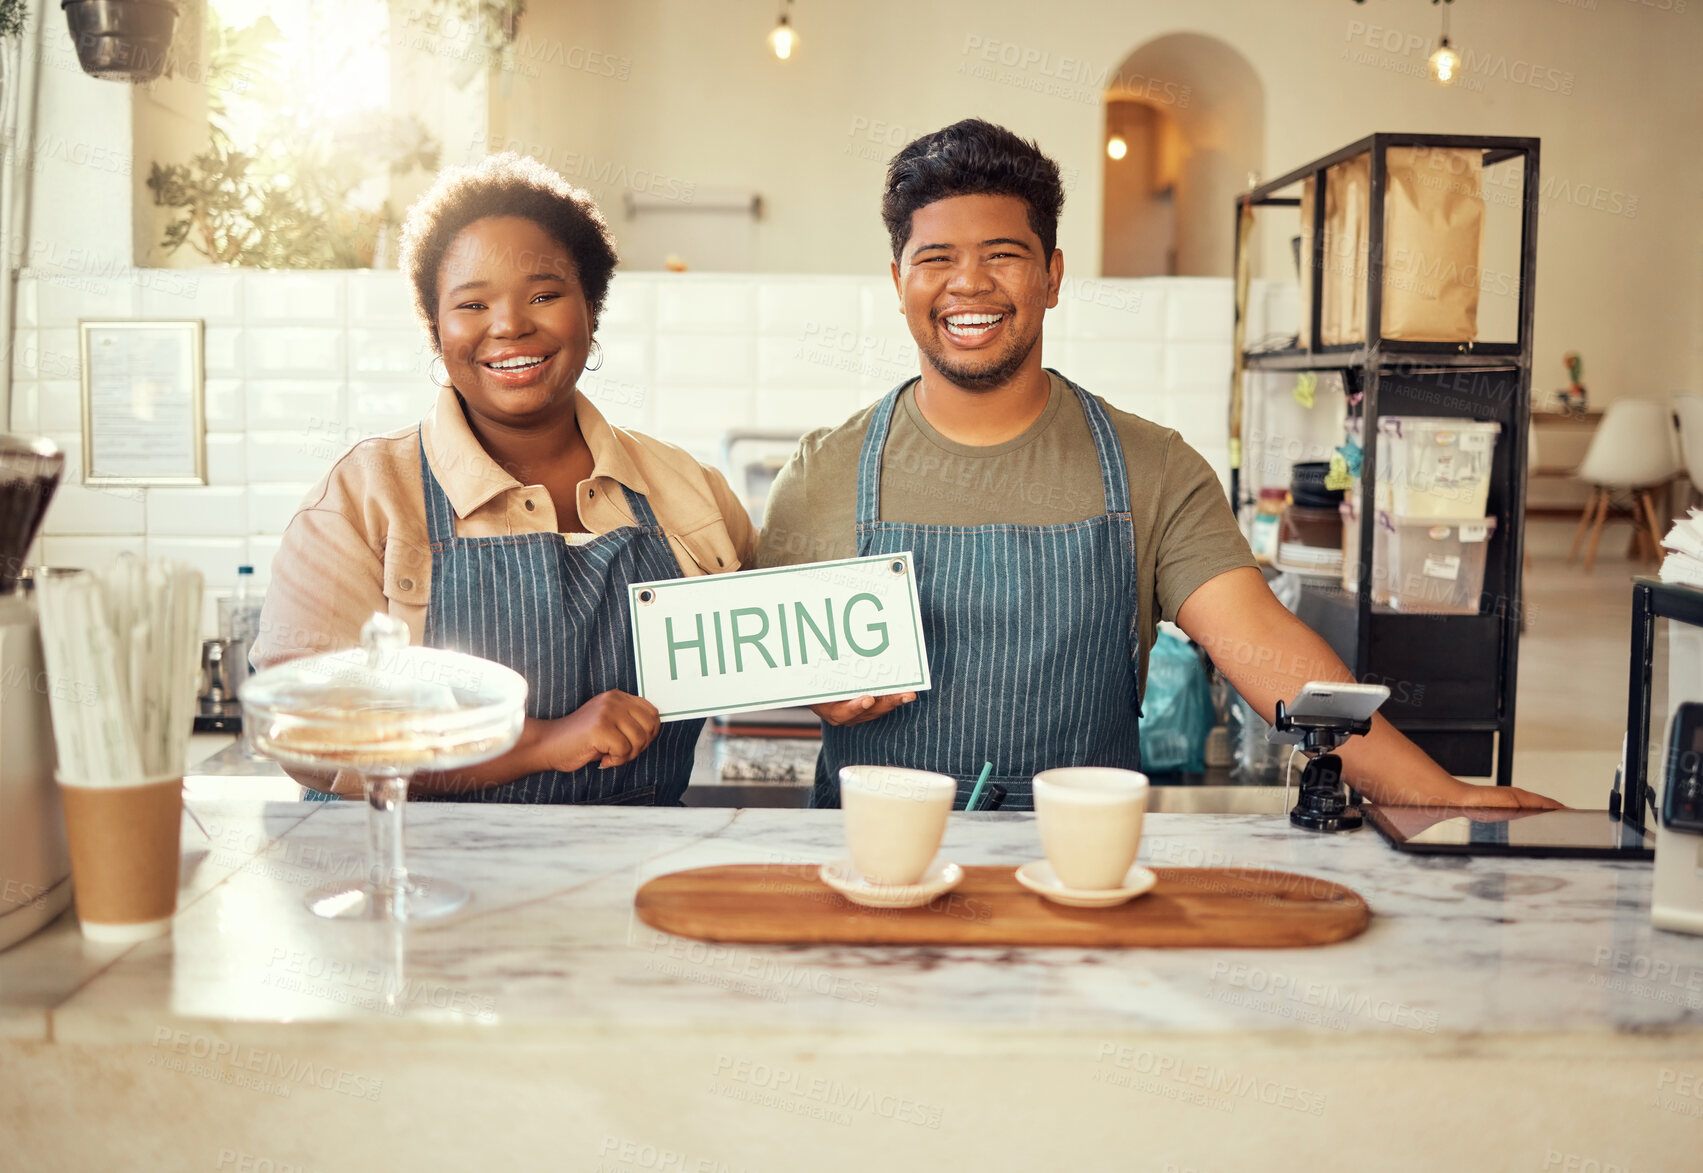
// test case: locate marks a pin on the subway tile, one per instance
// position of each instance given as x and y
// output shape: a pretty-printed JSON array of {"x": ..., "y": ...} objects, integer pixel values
[
  {"x": 62, "y": 299},
  {"x": 1149, "y": 404},
  {"x": 88, "y": 553},
  {"x": 290, "y": 405},
  {"x": 60, "y": 404},
  {"x": 84, "y": 510},
  {"x": 24, "y": 353},
  {"x": 202, "y": 511},
  {"x": 786, "y": 409},
  {"x": 626, "y": 357},
  {"x": 803, "y": 308},
  {"x": 270, "y": 507},
  {"x": 688, "y": 303},
  {"x": 630, "y": 306},
  {"x": 1282, "y": 310},
  {"x": 879, "y": 315},
  {"x": 1108, "y": 367},
  {"x": 787, "y": 362},
  {"x": 272, "y": 298},
  {"x": 26, "y": 409},
  {"x": 222, "y": 351},
  {"x": 56, "y": 354},
  {"x": 1114, "y": 307},
  {"x": 27, "y": 303},
  {"x": 212, "y": 294},
  {"x": 290, "y": 457},
  {"x": 626, "y": 403},
  {"x": 282, "y": 351},
  {"x": 381, "y": 297},
  {"x": 697, "y": 411},
  {"x": 377, "y": 406},
  {"x": 1200, "y": 309},
  {"x": 261, "y": 549},
  {"x": 392, "y": 351},
  {"x": 1193, "y": 364},
  {"x": 226, "y": 409},
  {"x": 705, "y": 360},
  {"x": 216, "y": 558},
  {"x": 227, "y": 458}
]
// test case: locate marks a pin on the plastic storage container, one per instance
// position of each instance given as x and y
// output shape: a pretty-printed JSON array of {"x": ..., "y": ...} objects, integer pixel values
[
  {"x": 1434, "y": 566},
  {"x": 1309, "y": 541},
  {"x": 1350, "y": 510},
  {"x": 1435, "y": 468}
]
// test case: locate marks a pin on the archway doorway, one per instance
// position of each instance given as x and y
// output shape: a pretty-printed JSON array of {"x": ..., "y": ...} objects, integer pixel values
[{"x": 1190, "y": 111}]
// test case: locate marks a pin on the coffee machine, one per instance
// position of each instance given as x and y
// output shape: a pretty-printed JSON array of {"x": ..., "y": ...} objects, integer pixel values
[{"x": 35, "y": 870}]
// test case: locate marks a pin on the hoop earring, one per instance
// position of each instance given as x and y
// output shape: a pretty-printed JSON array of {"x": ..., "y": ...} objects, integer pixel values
[
  {"x": 437, "y": 361},
  {"x": 597, "y": 350}
]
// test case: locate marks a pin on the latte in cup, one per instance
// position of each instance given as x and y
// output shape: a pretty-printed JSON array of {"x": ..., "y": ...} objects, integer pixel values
[
  {"x": 895, "y": 820},
  {"x": 1090, "y": 821}
]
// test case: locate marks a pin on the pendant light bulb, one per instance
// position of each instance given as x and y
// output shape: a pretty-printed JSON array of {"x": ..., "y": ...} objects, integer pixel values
[
  {"x": 1445, "y": 63},
  {"x": 1116, "y": 147},
  {"x": 783, "y": 39}
]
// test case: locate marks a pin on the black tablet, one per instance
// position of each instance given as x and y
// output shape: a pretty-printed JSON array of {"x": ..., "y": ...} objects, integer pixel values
[{"x": 1578, "y": 834}]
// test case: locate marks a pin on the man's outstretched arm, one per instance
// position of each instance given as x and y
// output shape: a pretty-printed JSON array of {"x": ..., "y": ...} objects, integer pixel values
[{"x": 1268, "y": 654}]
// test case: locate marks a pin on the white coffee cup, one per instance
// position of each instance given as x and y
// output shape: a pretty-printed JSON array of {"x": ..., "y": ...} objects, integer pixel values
[
  {"x": 895, "y": 820},
  {"x": 1090, "y": 821}
]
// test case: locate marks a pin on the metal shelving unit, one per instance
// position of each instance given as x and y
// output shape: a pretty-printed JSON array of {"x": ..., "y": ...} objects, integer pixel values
[{"x": 1453, "y": 677}]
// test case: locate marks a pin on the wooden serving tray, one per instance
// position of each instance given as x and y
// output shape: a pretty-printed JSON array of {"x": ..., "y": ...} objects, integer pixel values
[{"x": 1190, "y": 908}]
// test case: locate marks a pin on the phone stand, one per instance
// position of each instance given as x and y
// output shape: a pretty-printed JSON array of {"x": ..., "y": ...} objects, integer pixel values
[{"x": 1322, "y": 804}]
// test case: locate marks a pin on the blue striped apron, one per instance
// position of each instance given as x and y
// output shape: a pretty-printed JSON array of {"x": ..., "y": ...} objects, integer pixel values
[
  {"x": 1032, "y": 639},
  {"x": 559, "y": 616}
]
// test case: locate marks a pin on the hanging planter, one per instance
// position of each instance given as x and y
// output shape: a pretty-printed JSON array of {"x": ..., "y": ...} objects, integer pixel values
[{"x": 122, "y": 40}]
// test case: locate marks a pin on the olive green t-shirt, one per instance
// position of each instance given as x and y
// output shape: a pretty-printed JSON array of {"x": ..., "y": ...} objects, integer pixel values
[{"x": 1185, "y": 533}]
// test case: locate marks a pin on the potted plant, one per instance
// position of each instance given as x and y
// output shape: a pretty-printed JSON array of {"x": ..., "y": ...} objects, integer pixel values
[{"x": 122, "y": 40}]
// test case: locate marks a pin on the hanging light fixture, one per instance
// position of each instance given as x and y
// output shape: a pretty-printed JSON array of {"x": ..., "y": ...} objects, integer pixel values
[
  {"x": 783, "y": 40},
  {"x": 1445, "y": 62},
  {"x": 1116, "y": 147}
]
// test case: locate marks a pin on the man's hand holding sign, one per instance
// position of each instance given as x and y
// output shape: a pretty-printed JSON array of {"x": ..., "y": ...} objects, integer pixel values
[{"x": 833, "y": 635}]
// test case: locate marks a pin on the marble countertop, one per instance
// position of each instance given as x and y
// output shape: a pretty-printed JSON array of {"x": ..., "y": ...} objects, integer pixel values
[{"x": 1464, "y": 956}]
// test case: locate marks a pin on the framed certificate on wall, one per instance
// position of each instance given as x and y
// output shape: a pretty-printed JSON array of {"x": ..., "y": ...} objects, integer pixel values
[{"x": 144, "y": 403}]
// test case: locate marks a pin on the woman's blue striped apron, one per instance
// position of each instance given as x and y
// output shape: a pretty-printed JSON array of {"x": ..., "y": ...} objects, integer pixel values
[
  {"x": 559, "y": 616},
  {"x": 1032, "y": 640}
]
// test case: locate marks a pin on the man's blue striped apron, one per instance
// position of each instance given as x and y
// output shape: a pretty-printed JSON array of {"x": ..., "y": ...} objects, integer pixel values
[
  {"x": 1032, "y": 639},
  {"x": 559, "y": 616}
]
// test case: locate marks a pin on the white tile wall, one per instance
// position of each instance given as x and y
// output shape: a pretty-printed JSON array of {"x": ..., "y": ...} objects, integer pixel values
[{"x": 299, "y": 365}]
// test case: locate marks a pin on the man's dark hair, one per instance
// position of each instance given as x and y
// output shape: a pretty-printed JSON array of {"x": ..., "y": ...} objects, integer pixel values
[
  {"x": 506, "y": 184},
  {"x": 972, "y": 157}
]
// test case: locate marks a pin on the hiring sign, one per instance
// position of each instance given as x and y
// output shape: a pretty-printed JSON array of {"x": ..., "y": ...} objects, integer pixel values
[{"x": 795, "y": 635}]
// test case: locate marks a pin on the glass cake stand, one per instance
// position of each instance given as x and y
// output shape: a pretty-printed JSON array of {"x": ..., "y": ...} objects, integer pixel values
[{"x": 386, "y": 711}]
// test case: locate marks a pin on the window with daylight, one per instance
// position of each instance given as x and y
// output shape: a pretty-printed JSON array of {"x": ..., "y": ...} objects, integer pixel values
[{"x": 278, "y": 141}]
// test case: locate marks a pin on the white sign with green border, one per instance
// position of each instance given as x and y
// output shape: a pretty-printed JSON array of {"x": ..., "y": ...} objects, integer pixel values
[{"x": 794, "y": 635}]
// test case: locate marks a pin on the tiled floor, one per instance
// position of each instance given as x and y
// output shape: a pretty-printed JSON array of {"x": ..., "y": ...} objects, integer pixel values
[{"x": 1570, "y": 714}]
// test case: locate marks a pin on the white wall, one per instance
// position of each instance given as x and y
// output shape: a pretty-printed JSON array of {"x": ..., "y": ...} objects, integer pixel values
[{"x": 696, "y": 99}]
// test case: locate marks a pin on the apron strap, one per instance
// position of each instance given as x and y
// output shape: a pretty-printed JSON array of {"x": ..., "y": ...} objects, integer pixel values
[
  {"x": 869, "y": 464},
  {"x": 1113, "y": 471},
  {"x": 440, "y": 514}
]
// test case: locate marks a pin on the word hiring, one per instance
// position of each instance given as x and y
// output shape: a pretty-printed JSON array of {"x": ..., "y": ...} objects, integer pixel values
[{"x": 749, "y": 627}]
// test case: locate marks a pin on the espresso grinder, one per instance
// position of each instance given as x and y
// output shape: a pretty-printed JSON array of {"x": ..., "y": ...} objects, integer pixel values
[{"x": 35, "y": 871}]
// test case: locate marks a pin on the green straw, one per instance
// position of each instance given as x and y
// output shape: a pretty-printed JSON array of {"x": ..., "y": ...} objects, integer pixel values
[{"x": 976, "y": 794}]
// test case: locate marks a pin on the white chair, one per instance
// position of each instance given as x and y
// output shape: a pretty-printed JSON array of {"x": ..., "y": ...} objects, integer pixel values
[
  {"x": 1631, "y": 453},
  {"x": 1689, "y": 409}
]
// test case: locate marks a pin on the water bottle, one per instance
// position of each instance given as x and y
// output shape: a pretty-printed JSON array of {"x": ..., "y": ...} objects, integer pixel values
[{"x": 239, "y": 618}]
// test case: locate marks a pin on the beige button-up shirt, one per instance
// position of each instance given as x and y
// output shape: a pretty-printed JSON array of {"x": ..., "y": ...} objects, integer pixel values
[{"x": 358, "y": 544}]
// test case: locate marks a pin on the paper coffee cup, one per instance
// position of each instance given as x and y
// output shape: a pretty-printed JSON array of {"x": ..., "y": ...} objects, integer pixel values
[
  {"x": 1090, "y": 821},
  {"x": 124, "y": 855},
  {"x": 895, "y": 820}
]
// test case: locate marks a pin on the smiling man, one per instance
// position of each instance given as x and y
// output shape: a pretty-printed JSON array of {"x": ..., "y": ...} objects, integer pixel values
[{"x": 1051, "y": 530}]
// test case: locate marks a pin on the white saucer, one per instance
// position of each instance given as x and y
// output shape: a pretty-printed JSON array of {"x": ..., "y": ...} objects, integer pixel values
[
  {"x": 1038, "y": 877},
  {"x": 940, "y": 878}
]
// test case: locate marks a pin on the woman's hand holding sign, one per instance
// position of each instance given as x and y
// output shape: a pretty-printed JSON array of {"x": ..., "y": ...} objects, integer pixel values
[{"x": 862, "y": 708}]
